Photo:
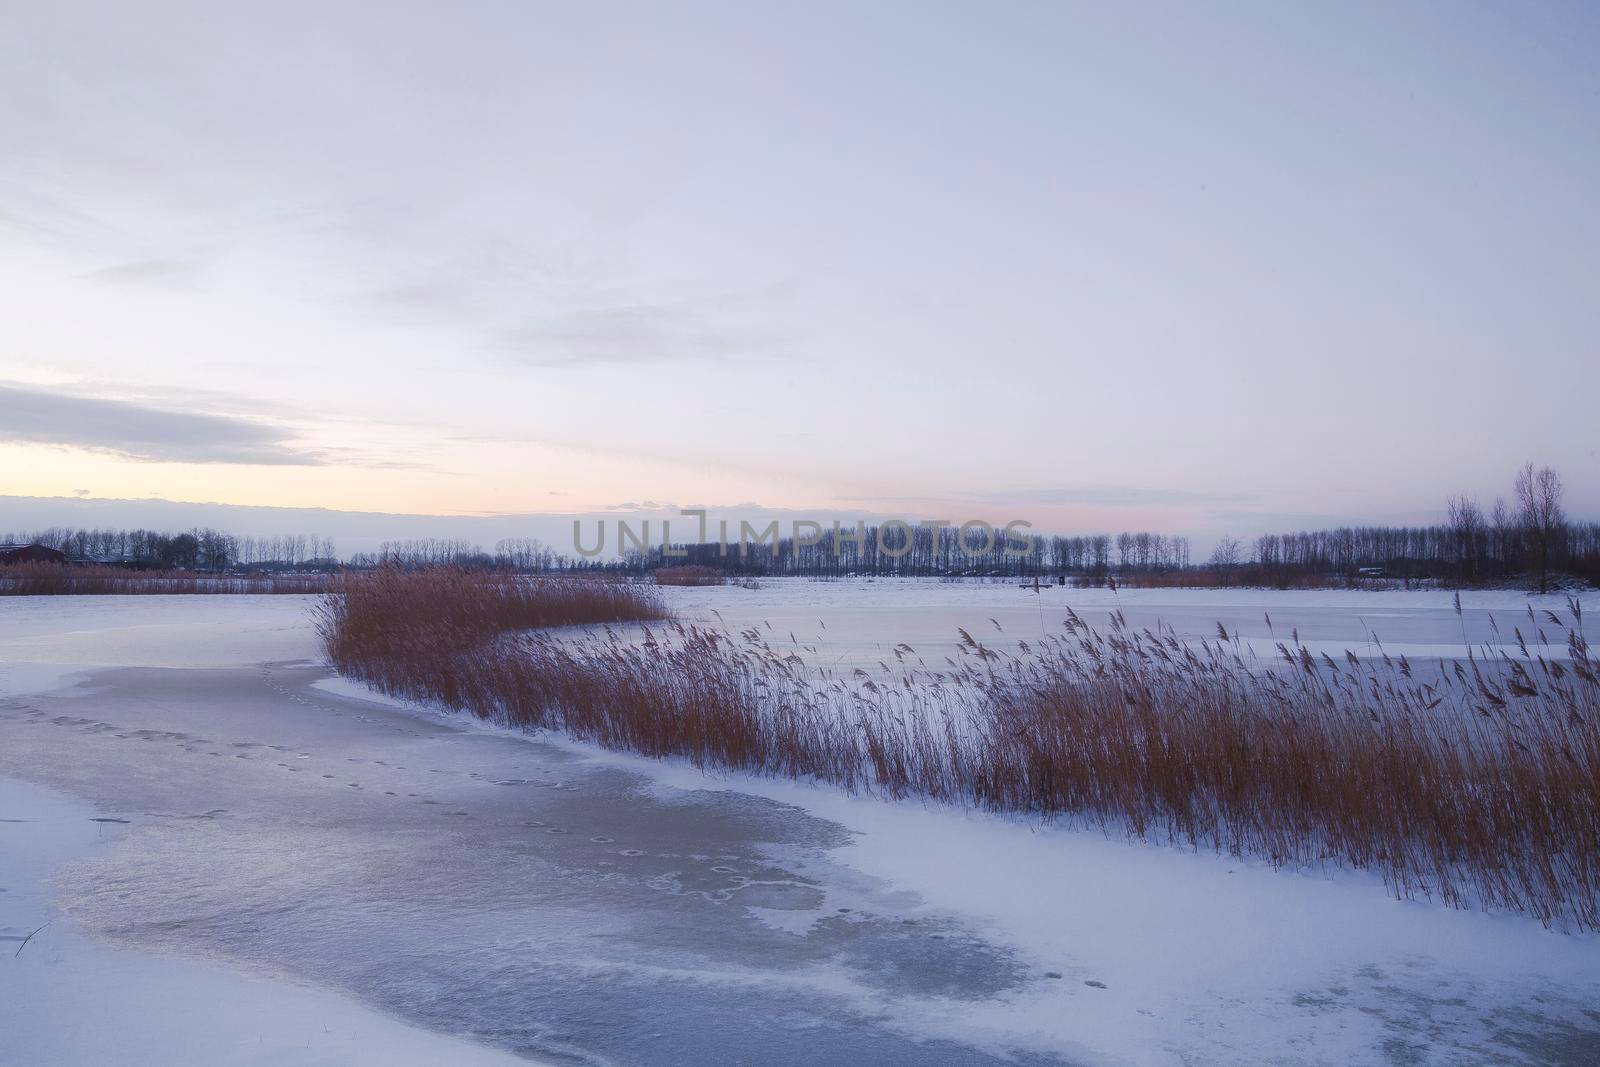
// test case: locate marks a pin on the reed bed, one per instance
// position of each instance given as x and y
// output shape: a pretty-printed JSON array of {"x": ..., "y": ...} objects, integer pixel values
[
  {"x": 1249, "y": 577},
  {"x": 55, "y": 579},
  {"x": 688, "y": 574},
  {"x": 439, "y": 612},
  {"x": 1475, "y": 783}
]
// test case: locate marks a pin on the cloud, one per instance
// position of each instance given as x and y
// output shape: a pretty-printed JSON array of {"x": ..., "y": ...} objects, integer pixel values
[
  {"x": 183, "y": 398},
  {"x": 142, "y": 432},
  {"x": 153, "y": 273},
  {"x": 1090, "y": 495},
  {"x": 643, "y": 333}
]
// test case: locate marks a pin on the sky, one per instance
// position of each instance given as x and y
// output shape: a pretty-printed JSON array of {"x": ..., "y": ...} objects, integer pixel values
[{"x": 1193, "y": 268}]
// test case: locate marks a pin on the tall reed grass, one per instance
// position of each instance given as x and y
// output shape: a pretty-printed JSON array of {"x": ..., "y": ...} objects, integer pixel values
[
  {"x": 55, "y": 579},
  {"x": 688, "y": 574},
  {"x": 1478, "y": 786}
]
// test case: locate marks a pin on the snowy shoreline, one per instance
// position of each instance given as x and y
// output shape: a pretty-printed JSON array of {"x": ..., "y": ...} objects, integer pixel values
[{"x": 1195, "y": 957}]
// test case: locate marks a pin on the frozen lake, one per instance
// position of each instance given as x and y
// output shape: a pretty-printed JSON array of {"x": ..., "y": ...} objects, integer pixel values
[
  {"x": 308, "y": 874},
  {"x": 858, "y": 623}
]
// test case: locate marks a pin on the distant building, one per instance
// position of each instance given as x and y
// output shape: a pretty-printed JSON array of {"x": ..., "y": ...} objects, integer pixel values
[{"x": 30, "y": 554}]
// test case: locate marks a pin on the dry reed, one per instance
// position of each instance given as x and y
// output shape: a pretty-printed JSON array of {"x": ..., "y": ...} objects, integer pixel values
[
  {"x": 55, "y": 579},
  {"x": 688, "y": 574},
  {"x": 1478, "y": 786}
]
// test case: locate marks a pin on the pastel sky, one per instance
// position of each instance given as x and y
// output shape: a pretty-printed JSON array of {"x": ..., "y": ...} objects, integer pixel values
[{"x": 1191, "y": 267}]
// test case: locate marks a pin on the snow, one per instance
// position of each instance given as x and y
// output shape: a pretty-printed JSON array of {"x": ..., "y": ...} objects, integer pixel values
[
  {"x": 1176, "y": 938},
  {"x": 1196, "y": 954},
  {"x": 1194, "y": 957},
  {"x": 49, "y": 643},
  {"x": 856, "y": 623},
  {"x": 66, "y": 998},
  {"x": 219, "y": 630},
  {"x": 18, "y": 679}
]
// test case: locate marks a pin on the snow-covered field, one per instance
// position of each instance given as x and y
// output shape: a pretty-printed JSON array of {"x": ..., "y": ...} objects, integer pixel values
[{"x": 303, "y": 863}]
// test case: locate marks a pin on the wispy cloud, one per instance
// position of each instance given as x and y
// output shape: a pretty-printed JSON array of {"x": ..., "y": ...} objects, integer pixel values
[
  {"x": 166, "y": 397},
  {"x": 149, "y": 273},
  {"x": 143, "y": 432},
  {"x": 642, "y": 333}
]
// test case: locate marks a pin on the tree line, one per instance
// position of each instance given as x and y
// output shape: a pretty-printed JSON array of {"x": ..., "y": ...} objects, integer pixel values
[
  {"x": 1530, "y": 534},
  {"x": 1527, "y": 534},
  {"x": 900, "y": 550},
  {"x": 524, "y": 555},
  {"x": 193, "y": 550}
]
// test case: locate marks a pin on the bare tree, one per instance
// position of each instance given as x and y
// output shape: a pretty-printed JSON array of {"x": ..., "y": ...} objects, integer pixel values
[
  {"x": 1467, "y": 530},
  {"x": 1544, "y": 522},
  {"x": 523, "y": 554},
  {"x": 1504, "y": 524},
  {"x": 1226, "y": 556}
]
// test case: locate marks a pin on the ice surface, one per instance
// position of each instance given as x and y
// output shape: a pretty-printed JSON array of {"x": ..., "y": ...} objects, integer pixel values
[
  {"x": 157, "y": 631},
  {"x": 857, "y": 623},
  {"x": 67, "y": 998}
]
